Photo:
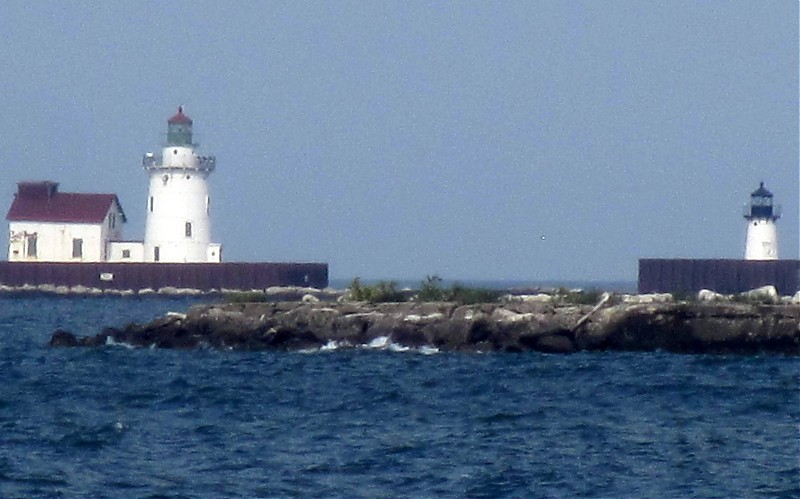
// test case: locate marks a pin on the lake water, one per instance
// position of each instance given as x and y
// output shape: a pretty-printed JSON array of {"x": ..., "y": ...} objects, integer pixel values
[{"x": 119, "y": 422}]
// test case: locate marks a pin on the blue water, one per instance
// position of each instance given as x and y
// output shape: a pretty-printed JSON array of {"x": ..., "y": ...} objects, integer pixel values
[{"x": 363, "y": 423}]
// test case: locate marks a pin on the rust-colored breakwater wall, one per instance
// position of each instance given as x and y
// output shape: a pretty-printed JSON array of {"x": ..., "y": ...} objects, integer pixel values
[
  {"x": 720, "y": 275},
  {"x": 138, "y": 276}
]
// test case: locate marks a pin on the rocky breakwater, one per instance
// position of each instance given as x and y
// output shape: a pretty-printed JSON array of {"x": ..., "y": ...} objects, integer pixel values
[{"x": 516, "y": 325}]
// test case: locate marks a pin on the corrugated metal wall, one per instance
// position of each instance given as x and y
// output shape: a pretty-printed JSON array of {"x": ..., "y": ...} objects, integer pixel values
[
  {"x": 136, "y": 276},
  {"x": 722, "y": 276}
]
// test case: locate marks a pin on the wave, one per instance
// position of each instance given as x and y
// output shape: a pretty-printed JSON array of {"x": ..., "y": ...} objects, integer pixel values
[{"x": 381, "y": 343}]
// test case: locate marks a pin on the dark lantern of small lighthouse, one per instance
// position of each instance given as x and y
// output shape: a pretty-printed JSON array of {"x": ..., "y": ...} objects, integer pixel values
[
  {"x": 179, "y": 129},
  {"x": 761, "y": 204}
]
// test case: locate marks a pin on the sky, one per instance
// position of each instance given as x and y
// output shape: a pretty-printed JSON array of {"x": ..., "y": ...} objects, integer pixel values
[{"x": 520, "y": 140}]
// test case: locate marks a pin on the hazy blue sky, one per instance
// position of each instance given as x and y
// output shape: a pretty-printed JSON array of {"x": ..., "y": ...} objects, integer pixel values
[{"x": 526, "y": 140}]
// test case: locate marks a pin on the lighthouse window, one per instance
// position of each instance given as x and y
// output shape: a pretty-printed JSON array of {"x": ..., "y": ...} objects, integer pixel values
[
  {"x": 77, "y": 248},
  {"x": 156, "y": 254},
  {"x": 188, "y": 229},
  {"x": 126, "y": 253},
  {"x": 151, "y": 203},
  {"x": 31, "y": 250}
]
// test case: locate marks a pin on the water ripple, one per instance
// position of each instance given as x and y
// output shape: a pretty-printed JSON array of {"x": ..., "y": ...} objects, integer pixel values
[{"x": 380, "y": 422}]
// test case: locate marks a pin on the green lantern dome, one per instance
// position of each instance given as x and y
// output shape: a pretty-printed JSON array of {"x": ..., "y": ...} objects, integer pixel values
[{"x": 179, "y": 129}]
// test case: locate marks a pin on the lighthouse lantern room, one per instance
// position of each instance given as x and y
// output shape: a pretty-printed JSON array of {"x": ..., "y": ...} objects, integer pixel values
[
  {"x": 762, "y": 234},
  {"x": 178, "y": 226}
]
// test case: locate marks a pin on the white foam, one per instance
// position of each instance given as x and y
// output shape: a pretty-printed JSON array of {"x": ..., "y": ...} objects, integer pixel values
[
  {"x": 113, "y": 343},
  {"x": 309, "y": 350},
  {"x": 379, "y": 342},
  {"x": 385, "y": 343},
  {"x": 330, "y": 345}
]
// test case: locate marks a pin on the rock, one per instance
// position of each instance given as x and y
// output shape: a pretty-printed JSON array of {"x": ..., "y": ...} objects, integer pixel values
[
  {"x": 766, "y": 294},
  {"x": 535, "y": 298},
  {"x": 647, "y": 298},
  {"x": 62, "y": 338},
  {"x": 720, "y": 328},
  {"x": 708, "y": 295},
  {"x": 553, "y": 343},
  {"x": 516, "y": 326}
]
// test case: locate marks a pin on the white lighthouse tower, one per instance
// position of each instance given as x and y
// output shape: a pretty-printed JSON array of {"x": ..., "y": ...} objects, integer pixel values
[
  {"x": 178, "y": 227},
  {"x": 762, "y": 234}
]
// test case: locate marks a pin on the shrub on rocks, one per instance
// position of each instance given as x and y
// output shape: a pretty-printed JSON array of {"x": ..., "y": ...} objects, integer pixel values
[
  {"x": 579, "y": 296},
  {"x": 382, "y": 292},
  {"x": 245, "y": 297},
  {"x": 431, "y": 290}
]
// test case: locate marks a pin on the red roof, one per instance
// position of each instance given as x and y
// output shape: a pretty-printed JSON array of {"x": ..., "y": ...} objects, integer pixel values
[
  {"x": 180, "y": 117},
  {"x": 41, "y": 202}
]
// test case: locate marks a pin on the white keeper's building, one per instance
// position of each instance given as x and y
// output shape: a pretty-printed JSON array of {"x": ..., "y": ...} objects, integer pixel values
[{"x": 51, "y": 226}]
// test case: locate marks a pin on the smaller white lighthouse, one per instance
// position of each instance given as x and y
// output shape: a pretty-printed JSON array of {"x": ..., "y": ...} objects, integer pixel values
[
  {"x": 178, "y": 227},
  {"x": 762, "y": 234}
]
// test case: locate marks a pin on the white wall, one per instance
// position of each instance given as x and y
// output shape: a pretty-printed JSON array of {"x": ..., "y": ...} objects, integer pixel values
[
  {"x": 54, "y": 240},
  {"x": 178, "y": 195},
  {"x": 762, "y": 240},
  {"x": 214, "y": 254},
  {"x": 117, "y": 250}
]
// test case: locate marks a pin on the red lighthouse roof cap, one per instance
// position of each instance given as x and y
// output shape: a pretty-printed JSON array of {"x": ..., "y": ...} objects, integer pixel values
[{"x": 179, "y": 117}]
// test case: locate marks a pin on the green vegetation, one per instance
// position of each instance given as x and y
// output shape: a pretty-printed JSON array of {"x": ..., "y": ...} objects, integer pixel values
[
  {"x": 381, "y": 292},
  {"x": 467, "y": 296},
  {"x": 430, "y": 290},
  {"x": 245, "y": 297},
  {"x": 684, "y": 296},
  {"x": 579, "y": 297}
]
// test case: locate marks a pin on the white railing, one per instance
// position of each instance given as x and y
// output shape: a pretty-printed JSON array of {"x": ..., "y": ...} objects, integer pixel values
[{"x": 156, "y": 161}]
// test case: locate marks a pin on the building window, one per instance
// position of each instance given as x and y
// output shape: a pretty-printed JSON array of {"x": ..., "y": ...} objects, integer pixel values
[
  {"x": 188, "y": 229},
  {"x": 126, "y": 253},
  {"x": 151, "y": 203},
  {"x": 112, "y": 220},
  {"x": 77, "y": 248},
  {"x": 31, "y": 246},
  {"x": 156, "y": 254}
]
